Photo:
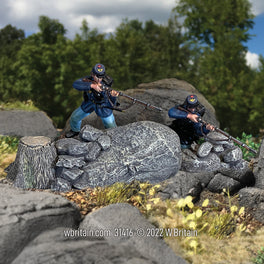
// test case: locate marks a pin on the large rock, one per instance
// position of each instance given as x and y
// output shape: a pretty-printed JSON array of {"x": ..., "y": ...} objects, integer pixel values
[
  {"x": 163, "y": 93},
  {"x": 259, "y": 168},
  {"x": 26, "y": 123},
  {"x": 192, "y": 163},
  {"x": 41, "y": 227},
  {"x": 56, "y": 247},
  {"x": 26, "y": 214},
  {"x": 185, "y": 183},
  {"x": 144, "y": 151},
  {"x": 253, "y": 198},
  {"x": 128, "y": 227},
  {"x": 220, "y": 182}
]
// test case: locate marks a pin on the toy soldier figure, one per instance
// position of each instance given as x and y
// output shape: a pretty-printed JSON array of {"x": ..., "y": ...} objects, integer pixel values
[
  {"x": 186, "y": 123},
  {"x": 95, "y": 99}
]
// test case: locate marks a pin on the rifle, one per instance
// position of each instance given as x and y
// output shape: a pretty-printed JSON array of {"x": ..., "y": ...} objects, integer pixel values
[
  {"x": 107, "y": 82},
  {"x": 134, "y": 100},
  {"x": 200, "y": 120}
]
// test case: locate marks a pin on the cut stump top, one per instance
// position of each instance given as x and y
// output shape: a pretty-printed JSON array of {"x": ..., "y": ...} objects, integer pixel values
[{"x": 36, "y": 141}]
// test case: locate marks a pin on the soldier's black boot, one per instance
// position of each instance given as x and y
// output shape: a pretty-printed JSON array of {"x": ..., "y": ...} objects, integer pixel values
[{"x": 71, "y": 134}]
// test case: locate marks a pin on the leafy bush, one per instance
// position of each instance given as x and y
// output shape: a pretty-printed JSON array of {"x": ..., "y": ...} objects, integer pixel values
[
  {"x": 260, "y": 257},
  {"x": 251, "y": 142}
]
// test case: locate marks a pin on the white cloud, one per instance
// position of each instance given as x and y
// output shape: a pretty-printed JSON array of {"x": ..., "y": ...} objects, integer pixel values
[
  {"x": 257, "y": 7},
  {"x": 252, "y": 60},
  {"x": 103, "y": 15}
]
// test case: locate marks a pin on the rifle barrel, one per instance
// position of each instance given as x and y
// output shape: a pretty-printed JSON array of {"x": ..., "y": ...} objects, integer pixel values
[
  {"x": 105, "y": 87},
  {"x": 235, "y": 140},
  {"x": 140, "y": 102}
]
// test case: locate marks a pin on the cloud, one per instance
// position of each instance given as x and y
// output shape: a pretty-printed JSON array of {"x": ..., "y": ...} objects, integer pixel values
[
  {"x": 257, "y": 7},
  {"x": 103, "y": 15},
  {"x": 252, "y": 60}
]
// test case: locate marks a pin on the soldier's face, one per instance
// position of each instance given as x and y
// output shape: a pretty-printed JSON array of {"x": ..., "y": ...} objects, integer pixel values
[
  {"x": 193, "y": 110},
  {"x": 97, "y": 79}
]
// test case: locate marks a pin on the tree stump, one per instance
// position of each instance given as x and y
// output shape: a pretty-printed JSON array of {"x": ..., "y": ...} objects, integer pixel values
[{"x": 34, "y": 163}]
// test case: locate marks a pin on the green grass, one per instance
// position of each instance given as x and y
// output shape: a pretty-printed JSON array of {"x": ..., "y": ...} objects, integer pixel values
[
  {"x": 8, "y": 149},
  {"x": 27, "y": 105}
]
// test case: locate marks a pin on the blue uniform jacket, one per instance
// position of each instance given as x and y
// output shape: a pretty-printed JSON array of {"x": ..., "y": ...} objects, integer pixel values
[
  {"x": 94, "y": 101},
  {"x": 199, "y": 128}
]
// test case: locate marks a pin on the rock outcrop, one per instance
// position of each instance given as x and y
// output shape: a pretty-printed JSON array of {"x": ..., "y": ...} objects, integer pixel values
[
  {"x": 128, "y": 227},
  {"x": 259, "y": 168},
  {"x": 22, "y": 123},
  {"x": 253, "y": 197},
  {"x": 145, "y": 151},
  {"x": 26, "y": 214},
  {"x": 215, "y": 164}
]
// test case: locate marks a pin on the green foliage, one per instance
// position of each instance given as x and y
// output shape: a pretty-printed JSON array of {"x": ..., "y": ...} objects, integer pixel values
[
  {"x": 251, "y": 142},
  {"x": 50, "y": 29},
  {"x": 28, "y": 105},
  {"x": 11, "y": 40},
  {"x": 8, "y": 144},
  {"x": 260, "y": 257},
  {"x": 221, "y": 29},
  {"x": 213, "y": 22}
]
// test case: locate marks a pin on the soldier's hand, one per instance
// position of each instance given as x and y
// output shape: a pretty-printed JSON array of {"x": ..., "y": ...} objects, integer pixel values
[
  {"x": 210, "y": 127},
  {"x": 97, "y": 87},
  {"x": 114, "y": 93},
  {"x": 193, "y": 117}
]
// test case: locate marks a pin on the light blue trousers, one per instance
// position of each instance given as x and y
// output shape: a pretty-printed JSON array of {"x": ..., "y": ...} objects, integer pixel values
[{"x": 78, "y": 115}]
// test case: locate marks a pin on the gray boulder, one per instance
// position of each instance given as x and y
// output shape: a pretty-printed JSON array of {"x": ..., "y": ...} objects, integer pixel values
[
  {"x": 185, "y": 183},
  {"x": 61, "y": 185},
  {"x": 232, "y": 155},
  {"x": 217, "y": 138},
  {"x": 128, "y": 227},
  {"x": 56, "y": 246},
  {"x": 145, "y": 151},
  {"x": 21, "y": 123},
  {"x": 239, "y": 171},
  {"x": 204, "y": 149},
  {"x": 25, "y": 214},
  {"x": 220, "y": 182},
  {"x": 253, "y": 198},
  {"x": 259, "y": 168},
  {"x": 192, "y": 163},
  {"x": 70, "y": 162},
  {"x": 40, "y": 227}
]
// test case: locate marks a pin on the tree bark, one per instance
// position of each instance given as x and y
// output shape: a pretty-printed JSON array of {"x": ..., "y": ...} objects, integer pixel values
[{"x": 34, "y": 163}]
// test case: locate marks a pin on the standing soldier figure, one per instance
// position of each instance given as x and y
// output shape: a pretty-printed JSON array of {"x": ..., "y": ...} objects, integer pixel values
[{"x": 95, "y": 99}]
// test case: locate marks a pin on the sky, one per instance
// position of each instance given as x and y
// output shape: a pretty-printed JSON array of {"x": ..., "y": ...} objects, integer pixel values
[{"x": 106, "y": 15}]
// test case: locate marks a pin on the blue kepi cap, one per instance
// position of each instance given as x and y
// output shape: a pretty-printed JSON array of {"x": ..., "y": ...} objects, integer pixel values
[{"x": 99, "y": 70}]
